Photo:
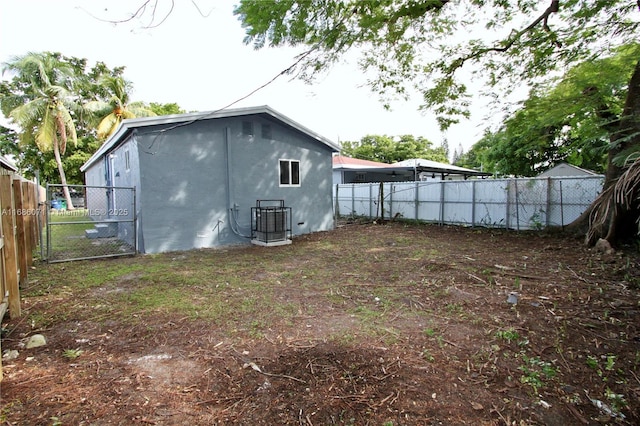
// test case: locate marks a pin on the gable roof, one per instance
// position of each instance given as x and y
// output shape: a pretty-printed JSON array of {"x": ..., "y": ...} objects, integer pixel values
[
  {"x": 566, "y": 169},
  {"x": 129, "y": 125},
  {"x": 5, "y": 163}
]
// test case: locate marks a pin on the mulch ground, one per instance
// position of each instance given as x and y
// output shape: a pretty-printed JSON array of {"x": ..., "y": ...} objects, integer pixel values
[{"x": 396, "y": 324}]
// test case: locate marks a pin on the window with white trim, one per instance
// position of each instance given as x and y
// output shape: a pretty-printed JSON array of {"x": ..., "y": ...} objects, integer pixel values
[{"x": 289, "y": 173}]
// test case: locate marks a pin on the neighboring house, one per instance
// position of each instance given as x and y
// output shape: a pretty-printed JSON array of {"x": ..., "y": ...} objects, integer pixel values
[
  {"x": 7, "y": 164},
  {"x": 428, "y": 170},
  {"x": 353, "y": 170},
  {"x": 564, "y": 169},
  {"x": 199, "y": 176}
]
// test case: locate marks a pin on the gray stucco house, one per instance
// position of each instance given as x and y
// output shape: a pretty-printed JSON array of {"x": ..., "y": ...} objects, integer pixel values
[{"x": 199, "y": 176}]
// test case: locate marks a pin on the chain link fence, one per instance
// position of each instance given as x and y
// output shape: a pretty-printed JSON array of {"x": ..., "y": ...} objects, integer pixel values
[
  {"x": 522, "y": 204},
  {"x": 100, "y": 223}
]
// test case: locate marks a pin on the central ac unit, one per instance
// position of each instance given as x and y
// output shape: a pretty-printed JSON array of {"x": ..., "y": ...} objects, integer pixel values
[{"x": 271, "y": 223}]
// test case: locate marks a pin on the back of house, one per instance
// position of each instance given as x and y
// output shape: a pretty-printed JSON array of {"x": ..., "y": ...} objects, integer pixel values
[{"x": 199, "y": 176}]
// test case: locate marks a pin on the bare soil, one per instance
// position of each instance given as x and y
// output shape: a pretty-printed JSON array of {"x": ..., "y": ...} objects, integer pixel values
[{"x": 370, "y": 324}]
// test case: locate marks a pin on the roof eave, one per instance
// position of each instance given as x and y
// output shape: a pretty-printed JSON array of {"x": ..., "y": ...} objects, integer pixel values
[{"x": 126, "y": 126}]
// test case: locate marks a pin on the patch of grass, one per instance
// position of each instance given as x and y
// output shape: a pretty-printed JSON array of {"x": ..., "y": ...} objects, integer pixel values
[
  {"x": 429, "y": 332},
  {"x": 41, "y": 320},
  {"x": 366, "y": 314},
  {"x": 509, "y": 335},
  {"x": 256, "y": 328},
  {"x": 454, "y": 308},
  {"x": 72, "y": 354},
  {"x": 344, "y": 338},
  {"x": 68, "y": 239}
]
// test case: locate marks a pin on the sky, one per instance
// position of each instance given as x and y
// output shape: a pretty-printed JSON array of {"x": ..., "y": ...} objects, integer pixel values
[{"x": 197, "y": 59}]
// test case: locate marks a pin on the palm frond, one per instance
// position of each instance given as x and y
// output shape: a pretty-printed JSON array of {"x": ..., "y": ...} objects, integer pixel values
[
  {"x": 128, "y": 114},
  {"x": 624, "y": 195},
  {"x": 107, "y": 126},
  {"x": 46, "y": 131},
  {"x": 118, "y": 86},
  {"x": 27, "y": 137},
  {"x": 139, "y": 109},
  {"x": 97, "y": 106},
  {"x": 30, "y": 113}
]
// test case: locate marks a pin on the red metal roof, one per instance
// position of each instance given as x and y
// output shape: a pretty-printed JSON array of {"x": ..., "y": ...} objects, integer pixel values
[{"x": 341, "y": 160}]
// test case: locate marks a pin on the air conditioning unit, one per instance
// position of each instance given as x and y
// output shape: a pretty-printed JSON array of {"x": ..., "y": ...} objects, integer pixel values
[{"x": 271, "y": 223}]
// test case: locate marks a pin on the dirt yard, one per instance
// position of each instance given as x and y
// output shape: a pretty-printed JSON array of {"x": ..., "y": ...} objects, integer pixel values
[{"x": 370, "y": 324}]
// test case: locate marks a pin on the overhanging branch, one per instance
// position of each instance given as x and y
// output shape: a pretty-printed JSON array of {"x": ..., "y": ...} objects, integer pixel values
[{"x": 544, "y": 18}]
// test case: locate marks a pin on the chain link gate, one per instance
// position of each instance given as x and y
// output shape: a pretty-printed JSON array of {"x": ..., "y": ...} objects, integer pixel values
[{"x": 101, "y": 223}]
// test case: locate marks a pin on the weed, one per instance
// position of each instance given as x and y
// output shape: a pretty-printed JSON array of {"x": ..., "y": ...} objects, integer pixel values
[
  {"x": 71, "y": 354},
  {"x": 454, "y": 308},
  {"x": 610, "y": 362},
  {"x": 616, "y": 400},
  {"x": 427, "y": 355},
  {"x": 517, "y": 284},
  {"x": 536, "y": 371},
  {"x": 255, "y": 329},
  {"x": 609, "y": 365},
  {"x": 429, "y": 332},
  {"x": 509, "y": 335},
  {"x": 536, "y": 220},
  {"x": 592, "y": 362},
  {"x": 40, "y": 320}
]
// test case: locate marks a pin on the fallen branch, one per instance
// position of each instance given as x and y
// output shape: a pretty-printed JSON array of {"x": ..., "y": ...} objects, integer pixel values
[
  {"x": 518, "y": 274},
  {"x": 577, "y": 276},
  {"x": 255, "y": 367},
  {"x": 477, "y": 278}
]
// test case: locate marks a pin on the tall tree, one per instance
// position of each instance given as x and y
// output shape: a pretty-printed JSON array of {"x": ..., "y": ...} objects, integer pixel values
[
  {"x": 476, "y": 157},
  {"x": 425, "y": 43},
  {"x": 110, "y": 112},
  {"x": 45, "y": 110},
  {"x": 387, "y": 149},
  {"x": 166, "y": 109},
  {"x": 559, "y": 123},
  {"x": 30, "y": 159}
]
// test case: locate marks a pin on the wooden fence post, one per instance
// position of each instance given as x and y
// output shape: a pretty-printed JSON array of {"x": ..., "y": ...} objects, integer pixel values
[
  {"x": 3, "y": 291},
  {"x": 21, "y": 244},
  {"x": 29, "y": 220},
  {"x": 9, "y": 250}
]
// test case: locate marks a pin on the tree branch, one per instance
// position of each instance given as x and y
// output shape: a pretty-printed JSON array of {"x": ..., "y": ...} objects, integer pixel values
[
  {"x": 544, "y": 17},
  {"x": 141, "y": 11}
]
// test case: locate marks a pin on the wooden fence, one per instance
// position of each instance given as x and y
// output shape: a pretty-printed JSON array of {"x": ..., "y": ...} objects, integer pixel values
[{"x": 20, "y": 216}]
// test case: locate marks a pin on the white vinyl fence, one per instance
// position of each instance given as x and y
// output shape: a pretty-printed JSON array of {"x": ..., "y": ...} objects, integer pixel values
[{"x": 522, "y": 204}]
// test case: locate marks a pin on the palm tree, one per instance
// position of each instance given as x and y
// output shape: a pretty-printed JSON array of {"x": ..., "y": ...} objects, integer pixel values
[
  {"x": 111, "y": 113},
  {"x": 45, "y": 110}
]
